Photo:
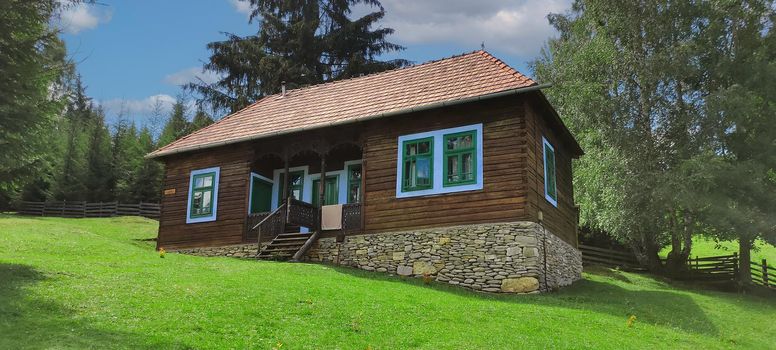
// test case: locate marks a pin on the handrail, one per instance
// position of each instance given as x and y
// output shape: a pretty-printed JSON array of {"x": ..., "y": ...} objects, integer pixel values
[
  {"x": 307, "y": 245},
  {"x": 269, "y": 216}
]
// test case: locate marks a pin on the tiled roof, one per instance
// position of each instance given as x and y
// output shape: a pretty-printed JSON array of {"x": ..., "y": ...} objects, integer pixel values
[{"x": 343, "y": 101}]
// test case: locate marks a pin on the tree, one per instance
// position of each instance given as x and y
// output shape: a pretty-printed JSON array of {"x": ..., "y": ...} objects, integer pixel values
[
  {"x": 201, "y": 120},
  {"x": 177, "y": 124},
  {"x": 148, "y": 176},
  {"x": 99, "y": 177},
  {"x": 127, "y": 157},
  {"x": 740, "y": 176},
  {"x": 32, "y": 60},
  {"x": 71, "y": 175},
  {"x": 631, "y": 77},
  {"x": 300, "y": 43}
]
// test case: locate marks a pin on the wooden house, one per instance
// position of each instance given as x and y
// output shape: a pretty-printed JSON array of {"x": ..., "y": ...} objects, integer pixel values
[{"x": 408, "y": 171}]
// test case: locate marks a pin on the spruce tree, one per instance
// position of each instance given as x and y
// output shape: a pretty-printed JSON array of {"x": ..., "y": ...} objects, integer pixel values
[
  {"x": 299, "y": 42},
  {"x": 177, "y": 124},
  {"x": 99, "y": 179},
  {"x": 148, "y": 176}
]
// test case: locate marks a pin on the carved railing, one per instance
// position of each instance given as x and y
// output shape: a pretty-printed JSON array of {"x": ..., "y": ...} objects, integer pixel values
[
  {"x": 252, "y": 233},
  {"x": 272, "y": 225},
  {"x": 302, "y": 214},
  {"x": 351, "y": 216}
]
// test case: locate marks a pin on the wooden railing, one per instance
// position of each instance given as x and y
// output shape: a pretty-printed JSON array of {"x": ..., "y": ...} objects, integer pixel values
[
  {"x": 351, "y": 216},
  {"x": 302, "y": 214},
  {"x": 254, "y": 219},
  {"x": 272, "y": 225}
]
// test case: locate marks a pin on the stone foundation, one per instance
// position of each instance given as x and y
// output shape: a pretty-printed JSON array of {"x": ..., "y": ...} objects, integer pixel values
[
  {"x": 507, "y": 257},
  {"x": 245, "y": 251},
  {"x": 498, "y": 258}
]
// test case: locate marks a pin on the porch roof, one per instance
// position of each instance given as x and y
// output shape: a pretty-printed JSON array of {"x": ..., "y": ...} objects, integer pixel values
[{"x": 429, "y": 85}]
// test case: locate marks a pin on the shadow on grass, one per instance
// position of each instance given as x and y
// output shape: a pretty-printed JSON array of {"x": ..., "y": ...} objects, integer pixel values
[
  {"x": 27, "y": 322},
  {"x": 655, "y": 307}
]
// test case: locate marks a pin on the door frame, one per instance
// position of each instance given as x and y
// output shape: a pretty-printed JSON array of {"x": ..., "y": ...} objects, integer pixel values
[{"x": 314, "y": 188}]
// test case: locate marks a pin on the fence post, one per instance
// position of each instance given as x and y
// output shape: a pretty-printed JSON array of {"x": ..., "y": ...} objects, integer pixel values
[
  {"x": 736, "y": 276},
  {"x": 765, "y": 273}
]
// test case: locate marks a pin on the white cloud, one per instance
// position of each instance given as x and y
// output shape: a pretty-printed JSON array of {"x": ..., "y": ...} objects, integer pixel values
[
  {"x": 75, "y": 18},
  {"x": 191, "y": 75},
  {"x": 242, "y": 6},
  {"x": 130, "y": 108},
  {"x": 517, "y": 27}
]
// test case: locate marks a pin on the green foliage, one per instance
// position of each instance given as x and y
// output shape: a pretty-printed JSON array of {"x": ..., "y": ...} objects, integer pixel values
[
  {"x": 299, "y": 42},
  {"x": 32, "y": 59},
  {"x": 96, "y": 283},
  {"x": 640, "y": 84}
]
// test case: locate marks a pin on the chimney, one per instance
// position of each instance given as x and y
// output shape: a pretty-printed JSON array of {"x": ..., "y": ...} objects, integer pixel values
[{"x": 283, "y": 88}]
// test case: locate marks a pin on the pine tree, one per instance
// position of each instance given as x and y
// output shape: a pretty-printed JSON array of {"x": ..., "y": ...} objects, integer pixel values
[
  {"x": 299, "y": 42},
  {"x": 127, "y": 157},
  {"x": 177, "y": 125},
  {"x": 99, "y": 161},
  {"x": 32, "y": 61},
  {"x": 201, "y": 120},
  {"x": 148, "y": 176},
  {"x": 70, "y": 179}
]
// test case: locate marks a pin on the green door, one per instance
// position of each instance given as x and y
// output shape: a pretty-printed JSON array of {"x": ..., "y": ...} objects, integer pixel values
[
  {"x": 331, "y": 194},
  {"x": 261, "y": 195}
]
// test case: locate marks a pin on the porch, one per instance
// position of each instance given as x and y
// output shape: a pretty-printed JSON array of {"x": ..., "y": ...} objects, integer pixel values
[{"x": 289, "y": 207}]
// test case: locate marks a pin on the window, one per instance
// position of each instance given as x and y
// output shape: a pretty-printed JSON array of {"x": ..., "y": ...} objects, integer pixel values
[
  {"x": 354, "y": 183},
  {"x": 295, "y": 186},
  {"x": 203, "y": 195},
  {"x": 550, "y": 187},
  {"x": 460, "y": 158},
  {"x": 439, "y": 161},
  {"x": 417, "y": 160}
]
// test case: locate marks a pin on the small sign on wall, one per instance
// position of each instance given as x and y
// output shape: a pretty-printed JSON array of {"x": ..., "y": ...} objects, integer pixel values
[{"x": 169, "y": 191}]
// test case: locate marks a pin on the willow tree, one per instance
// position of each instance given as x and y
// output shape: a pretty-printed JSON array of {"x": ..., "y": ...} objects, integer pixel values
[{"x": 300, "y": 42}]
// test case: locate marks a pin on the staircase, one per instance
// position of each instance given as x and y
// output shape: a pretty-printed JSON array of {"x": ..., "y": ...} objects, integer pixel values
[
  {"x": 284, "y": 245},
  {"x": 284, "y": 225}
]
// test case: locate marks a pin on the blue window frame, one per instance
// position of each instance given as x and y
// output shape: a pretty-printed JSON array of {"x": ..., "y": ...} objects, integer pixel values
[
  {"x": 550, "y": 182},
  {"x": 203, "y": 195}
]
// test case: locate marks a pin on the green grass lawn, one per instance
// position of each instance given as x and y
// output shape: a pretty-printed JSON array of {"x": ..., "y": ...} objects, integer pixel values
[
  {"x": 98, "y": 283},
  {"x": 703, "y": 246}
]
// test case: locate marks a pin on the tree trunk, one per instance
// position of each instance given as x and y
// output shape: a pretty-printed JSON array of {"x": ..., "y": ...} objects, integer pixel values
[{"x": 744, "y": 256}]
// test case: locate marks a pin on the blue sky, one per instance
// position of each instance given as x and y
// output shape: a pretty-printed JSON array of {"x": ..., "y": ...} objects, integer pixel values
[{"x": 134, "y": 53}]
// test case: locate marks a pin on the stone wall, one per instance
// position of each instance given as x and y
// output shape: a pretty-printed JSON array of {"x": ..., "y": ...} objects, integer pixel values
[
  {"x": 246, "y": 251},
  {"x": 505, "y": 257}
]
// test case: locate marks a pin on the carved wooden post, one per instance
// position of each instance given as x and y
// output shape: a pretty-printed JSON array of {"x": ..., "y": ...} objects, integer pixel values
[
  {"x": 322, "y": 186},
  {"x": 285, "y": 182}
]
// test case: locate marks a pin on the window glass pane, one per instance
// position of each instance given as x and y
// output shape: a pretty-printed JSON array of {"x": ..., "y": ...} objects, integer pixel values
[
  {"x": 460, "y": 142},
  {"x": 198, "y": 182},
  {"x": 207, "y": 181},
  {"x": 452, "y": 168},
  {"x": 206, "y": 201},
  {"x": 355, "y": 173},
  {"x": 354, "y": 194},
  {"x": 296, "y": 193},
  {"x": 467, "y": 165},
  {"x": 423, "y": 166},
  {"x": 411, "y": 149},
  {"x": 424, "y": 147},
  {"x": 196, "y": 202},
  {"x": 296, "y": 180}
]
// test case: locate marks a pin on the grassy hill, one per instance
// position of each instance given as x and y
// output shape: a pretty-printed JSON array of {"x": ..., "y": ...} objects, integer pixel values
[
  {"x": 98, "y": 283},
  {"x": 704, "y": 246}
]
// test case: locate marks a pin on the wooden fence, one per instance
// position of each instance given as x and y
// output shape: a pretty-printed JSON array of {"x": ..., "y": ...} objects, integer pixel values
[
  {"x": 723, "y": 268},
  {"x": 609, "y": 257},
  {"x": 763, "y": 274},
  {"x": 88, "y": 210}
]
